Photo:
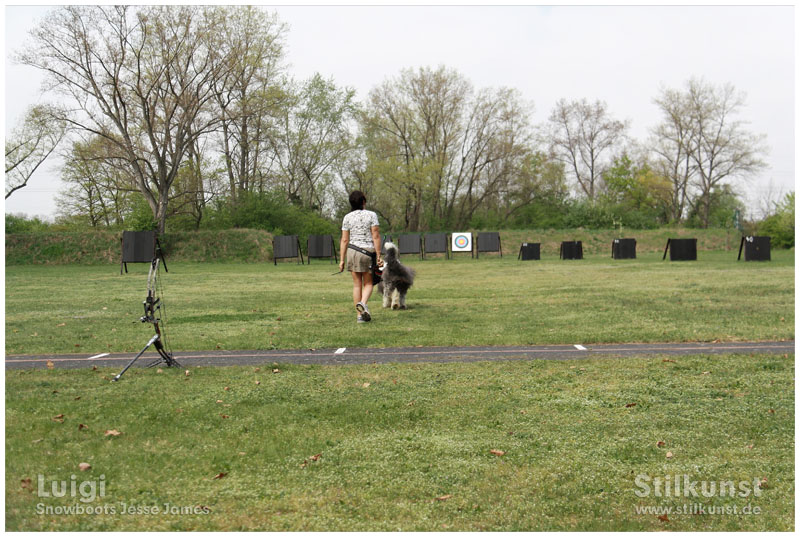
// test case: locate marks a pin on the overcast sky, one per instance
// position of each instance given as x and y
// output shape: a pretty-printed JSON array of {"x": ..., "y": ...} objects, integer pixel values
[{"x": 622, "y": 55}]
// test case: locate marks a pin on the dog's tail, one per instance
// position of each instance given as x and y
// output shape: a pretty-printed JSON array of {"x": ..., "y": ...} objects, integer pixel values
[{"x": 391, "y": 252}]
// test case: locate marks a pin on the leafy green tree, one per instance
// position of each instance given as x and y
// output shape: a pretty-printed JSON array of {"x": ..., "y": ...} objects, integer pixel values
[
  {"x": 723, "y": 205},
  {"x": 635, "y": 194},
  {"x": 99, "y": 185},
  {"x": 780, "y": 224},
  {"x": 310, "y": 140}
]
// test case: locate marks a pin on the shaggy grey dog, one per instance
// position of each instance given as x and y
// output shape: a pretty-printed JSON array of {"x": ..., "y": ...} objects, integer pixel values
[{"x": 396, "y": 280}]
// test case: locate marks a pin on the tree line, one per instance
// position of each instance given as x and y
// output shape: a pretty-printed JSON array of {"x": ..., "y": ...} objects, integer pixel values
[{"x": 189, "y": 115}]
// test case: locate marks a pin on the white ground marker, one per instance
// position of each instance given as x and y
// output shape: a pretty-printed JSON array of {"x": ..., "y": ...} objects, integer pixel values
[
  {"x": 580, "y": 347},
  {"x": 99, "y": 356},
  {"x": 340, "y": 350}
]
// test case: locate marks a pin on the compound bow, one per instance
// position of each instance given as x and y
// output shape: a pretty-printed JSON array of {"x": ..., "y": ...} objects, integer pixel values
[{"x": 154, "y": 310}]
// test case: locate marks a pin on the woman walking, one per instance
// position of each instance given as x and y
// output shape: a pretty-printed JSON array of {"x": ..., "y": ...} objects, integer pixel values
[{"x": 360, "y": 247}]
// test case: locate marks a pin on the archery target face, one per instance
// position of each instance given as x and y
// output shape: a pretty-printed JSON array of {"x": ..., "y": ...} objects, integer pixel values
[{"x": 461, "y": 242}]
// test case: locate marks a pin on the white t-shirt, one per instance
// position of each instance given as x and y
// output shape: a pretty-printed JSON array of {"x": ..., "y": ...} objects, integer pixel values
[{"x": 359, "y": 224}]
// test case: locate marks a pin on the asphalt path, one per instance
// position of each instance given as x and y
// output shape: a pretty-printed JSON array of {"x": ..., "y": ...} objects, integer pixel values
[{"x": 344, "y": 355}]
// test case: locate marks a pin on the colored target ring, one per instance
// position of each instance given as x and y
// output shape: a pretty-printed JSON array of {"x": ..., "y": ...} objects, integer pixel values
[{"x": 462, "y": 241}]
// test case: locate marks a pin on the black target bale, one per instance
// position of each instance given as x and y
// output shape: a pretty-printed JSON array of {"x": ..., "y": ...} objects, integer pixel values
[
  {"x": 681, "y": 249},
  {"x": 286, "y": 246},
  {"x": 571, "y": 250},
  {"x": 320, "y": 246},
  {"x": 623, "y": 249},
  {"x": 139, "y": 247},
  {"x": 489, "y": 241},
  {"x": 756, "y": 248},
  {"x": 529, "y": 251},
  {"x": 410, "y": 243},
  {"x": 436, "y": 243}
]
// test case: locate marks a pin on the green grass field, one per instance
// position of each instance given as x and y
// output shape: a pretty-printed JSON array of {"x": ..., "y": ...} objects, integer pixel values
[
  {"x": 404, "y": 446},
  {"x": 373, "y": 447},
  {"x": 490, "y": 301}
]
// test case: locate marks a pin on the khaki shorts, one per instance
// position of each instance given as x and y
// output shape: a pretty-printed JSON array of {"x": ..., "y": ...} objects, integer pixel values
[{"x": 358, "y": 262}]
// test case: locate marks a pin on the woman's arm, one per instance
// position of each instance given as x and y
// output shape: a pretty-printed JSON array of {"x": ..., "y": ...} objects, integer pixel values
[
  {"x": 376, "y": 240},
  {"x": 343, "y": 248}
]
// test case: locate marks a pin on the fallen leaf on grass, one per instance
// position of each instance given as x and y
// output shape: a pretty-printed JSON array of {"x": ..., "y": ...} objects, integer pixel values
[
  {"x": 258, "y": 383},
  {"x": 668, "y": 360},
  {"x": 224, "y": 416},
  {"x": 159, "y": 370},
  {"x": 84, "y": 466},
  {"x": 663, "y": 518},
  {"x": 94, "y": 368},
  {"x": 365, "y": 385},
  {"x": 187, "y": 373},
  {"x": 219, "y": 400},
  {"x": 62, "y": 324},
  {"x": 706, "y": 372},
  {"x": 112, "y": 432},
  {"x": 443, "y": 498},
  {"x": 771, "y": 410},
  {"x": 226, "y": 388},
  {"x": 78, "y": 398},
  {"x": 497, "y": 452},
  {"x": 220, "y": 475},
  {"x": 661, "y": 443},
  {"x": 50, "y": 364},
  {"x": 242, "y": 453},
  {"x": 630, "y": 405},
  {"x": 762, "y": 483},
  {"x": 81, "y": 426},
  {"x": 669, "y": 454},
  {"x": 750, "y": 446},
  {"x": 59, "y": 418},
  {"x": 256, "y": 370},
  {"x": 26, "y": 483},
  {"x": 276, "y": 370},
  {"x": 315, "y": 457}
]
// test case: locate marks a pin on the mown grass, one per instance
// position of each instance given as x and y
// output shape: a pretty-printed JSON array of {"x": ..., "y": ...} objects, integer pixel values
[
  {"x": 490, "y": 301},
  {"x": 391, "y": 439}
]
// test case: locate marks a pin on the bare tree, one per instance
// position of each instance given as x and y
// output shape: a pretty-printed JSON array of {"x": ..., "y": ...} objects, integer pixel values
[
  {"x": 583, "y": 136},
  {"x": 250, "y": 93},
  {"x": 722, "y": 149},
  {"x": 30, "y": 145},
  {"x": 671, "y": 144},
  {"x": 701, "y": 144},
  {"x": 441, "y": 150},
  {"x": 140, "y": 78}
]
